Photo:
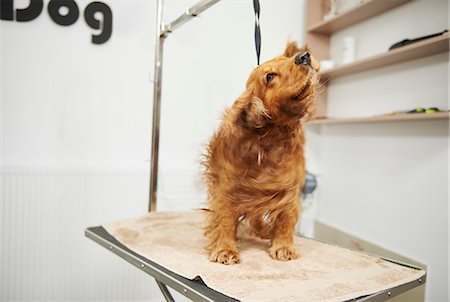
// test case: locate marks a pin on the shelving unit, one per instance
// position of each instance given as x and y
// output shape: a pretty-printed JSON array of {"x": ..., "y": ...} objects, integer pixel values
[
  {"x": 410, "y": 52},
  {"x": 384, "y": 118},
  {"x": 318, "y": 37},
  {"x": 367, "y": 9}
]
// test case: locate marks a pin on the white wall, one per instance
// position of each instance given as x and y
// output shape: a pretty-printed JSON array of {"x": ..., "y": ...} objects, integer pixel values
[
  {"x": 75, "y": 140},
  {"x": 68, "y": 102},
  {"x": 75, "y": 134},
  {"x": 388, "y": 182}
]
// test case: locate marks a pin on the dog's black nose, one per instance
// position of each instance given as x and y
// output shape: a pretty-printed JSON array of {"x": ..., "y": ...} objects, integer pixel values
[{"x": 303, "y": 59}]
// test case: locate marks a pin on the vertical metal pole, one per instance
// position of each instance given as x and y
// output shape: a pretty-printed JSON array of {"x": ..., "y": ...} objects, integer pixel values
[{"x": 156, "y": 105}]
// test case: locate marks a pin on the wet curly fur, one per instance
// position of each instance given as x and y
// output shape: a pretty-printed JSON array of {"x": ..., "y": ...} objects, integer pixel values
[{"x": 254, "y": 163}]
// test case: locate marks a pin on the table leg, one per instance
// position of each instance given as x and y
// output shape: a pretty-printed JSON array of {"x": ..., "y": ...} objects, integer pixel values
[{"x": 165, "y": 291}]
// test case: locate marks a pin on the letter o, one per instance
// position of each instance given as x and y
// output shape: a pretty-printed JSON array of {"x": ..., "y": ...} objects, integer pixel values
[{"x": 70, "y": 18}]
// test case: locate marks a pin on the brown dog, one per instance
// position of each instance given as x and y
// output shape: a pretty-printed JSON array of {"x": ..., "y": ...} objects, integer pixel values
[{"x": 254, "y": 162}]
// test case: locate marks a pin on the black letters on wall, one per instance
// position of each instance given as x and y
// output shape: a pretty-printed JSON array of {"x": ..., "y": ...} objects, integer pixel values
[
  {"x": 89, "y": 13},
  {"x": 31, "y": 12},
  {"x": 35, "y": 8},
  {"x": 70, "y": 18},
  {"x": 6, "y": 10}
]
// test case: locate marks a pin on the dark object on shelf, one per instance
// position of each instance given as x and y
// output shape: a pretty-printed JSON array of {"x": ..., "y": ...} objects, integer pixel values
[{"x": 411, "y": 41}]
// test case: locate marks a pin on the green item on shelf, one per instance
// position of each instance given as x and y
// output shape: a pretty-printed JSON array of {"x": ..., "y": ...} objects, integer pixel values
[
  {"x": 424, "y": 110},
  {"x": 417, "y": 110},
  {"x": 432, "y": 109}
]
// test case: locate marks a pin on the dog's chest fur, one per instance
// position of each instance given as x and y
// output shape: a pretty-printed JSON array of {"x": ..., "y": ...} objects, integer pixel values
[
  {"x": 269, "y": 160},
  {"x": 270, "y": 150}
]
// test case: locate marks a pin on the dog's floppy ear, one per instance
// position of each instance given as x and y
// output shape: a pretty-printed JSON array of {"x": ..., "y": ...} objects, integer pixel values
[
  {"x": 293, "y": 49},
  {"x": 253, "y": 114}
]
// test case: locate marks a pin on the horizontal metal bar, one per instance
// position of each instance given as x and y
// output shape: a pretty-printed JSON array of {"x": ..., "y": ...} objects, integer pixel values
[
  {"x": 190, "y": 13},
  {"x": 189, "y": 288}
]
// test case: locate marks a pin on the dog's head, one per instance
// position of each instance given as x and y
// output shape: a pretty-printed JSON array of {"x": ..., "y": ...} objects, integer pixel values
[{"x": 281, "y": 90}]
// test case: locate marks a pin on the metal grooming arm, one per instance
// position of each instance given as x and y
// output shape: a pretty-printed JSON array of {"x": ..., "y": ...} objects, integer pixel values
[{"x": 162, "y": 31}]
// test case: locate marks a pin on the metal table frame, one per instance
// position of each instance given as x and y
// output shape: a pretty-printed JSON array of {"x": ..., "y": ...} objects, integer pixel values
[{"x": 197, "y": 290}]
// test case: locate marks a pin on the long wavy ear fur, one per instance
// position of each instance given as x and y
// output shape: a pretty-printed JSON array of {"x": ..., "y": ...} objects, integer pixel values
[{"x": 254, "y": 114}]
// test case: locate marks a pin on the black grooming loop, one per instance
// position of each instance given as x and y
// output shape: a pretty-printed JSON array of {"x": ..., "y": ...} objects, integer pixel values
[{"x": 257, "y": 30}]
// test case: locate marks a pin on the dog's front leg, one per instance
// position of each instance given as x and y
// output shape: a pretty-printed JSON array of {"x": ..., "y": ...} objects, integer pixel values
[
  {"x": 221, "y": 231},
  {"x": 283, "y": 234}
]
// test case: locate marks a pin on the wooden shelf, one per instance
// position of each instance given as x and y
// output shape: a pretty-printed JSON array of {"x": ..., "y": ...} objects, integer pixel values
[
  {"x": 385, "y": 118},
  {"x": 318, "y": 36},
  {"x": 402, "y": 54},
  {"x": 352, "y": 16}
]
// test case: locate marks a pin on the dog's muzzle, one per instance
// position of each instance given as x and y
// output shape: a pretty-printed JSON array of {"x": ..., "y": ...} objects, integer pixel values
[{"x": 303, "y": 59}]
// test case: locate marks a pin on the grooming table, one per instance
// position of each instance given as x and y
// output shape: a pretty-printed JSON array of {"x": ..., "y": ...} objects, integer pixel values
[{"x": 169, "y": 247}]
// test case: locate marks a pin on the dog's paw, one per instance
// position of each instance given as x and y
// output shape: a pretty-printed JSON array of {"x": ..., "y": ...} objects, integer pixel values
[
  {"x": 225, "y": 257},
  {"x": 283, "y": 253}
]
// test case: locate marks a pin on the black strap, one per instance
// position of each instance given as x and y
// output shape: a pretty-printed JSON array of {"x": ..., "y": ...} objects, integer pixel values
[{"x": 257, "y": 29}]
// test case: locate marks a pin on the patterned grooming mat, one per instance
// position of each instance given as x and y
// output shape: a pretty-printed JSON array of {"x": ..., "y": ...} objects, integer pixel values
[{"x": 322, "y": 273}]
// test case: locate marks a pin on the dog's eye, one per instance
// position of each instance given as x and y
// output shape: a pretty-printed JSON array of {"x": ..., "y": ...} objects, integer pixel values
[{"x": 270, "y": 76}]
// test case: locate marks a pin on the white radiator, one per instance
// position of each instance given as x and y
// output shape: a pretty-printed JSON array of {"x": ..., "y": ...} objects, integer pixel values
[{"x": 45, "y": 255}]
